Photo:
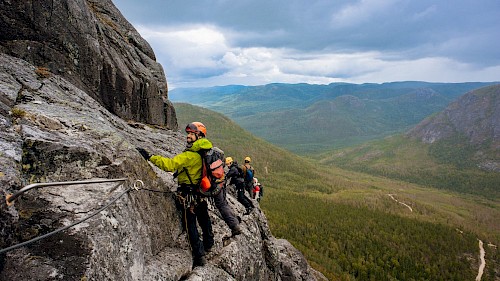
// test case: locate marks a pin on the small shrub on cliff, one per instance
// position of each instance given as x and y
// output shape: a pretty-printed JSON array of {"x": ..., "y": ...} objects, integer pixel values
[
  {"x": 43, "y": 72},
  {"x": 17, "y": 113}
]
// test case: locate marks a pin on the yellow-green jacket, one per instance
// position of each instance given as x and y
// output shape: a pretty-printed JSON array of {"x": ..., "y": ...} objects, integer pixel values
[{"x": 189, "y": 159}]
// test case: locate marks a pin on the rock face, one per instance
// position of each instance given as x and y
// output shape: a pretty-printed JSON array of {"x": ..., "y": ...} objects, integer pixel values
[
  {"x": 51, "y": 131},
  {"x": 79, "y": 90},
  {"x": 475, "y": 118},
  {"x": 89, "y": 43}
]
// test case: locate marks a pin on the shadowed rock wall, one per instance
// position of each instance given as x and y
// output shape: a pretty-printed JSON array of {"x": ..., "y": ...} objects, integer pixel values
[{"x": 90, "y": 43}]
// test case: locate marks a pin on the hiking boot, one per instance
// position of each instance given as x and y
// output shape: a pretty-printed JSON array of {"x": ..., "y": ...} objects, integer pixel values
[
  {"x": 208, "y": 249},
  {"x": 236, "y": 230},
  {"x": 199, "y": 261}
]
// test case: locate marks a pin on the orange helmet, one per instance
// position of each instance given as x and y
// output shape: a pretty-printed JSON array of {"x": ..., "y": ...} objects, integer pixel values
[{"x": 197, "y": 128}]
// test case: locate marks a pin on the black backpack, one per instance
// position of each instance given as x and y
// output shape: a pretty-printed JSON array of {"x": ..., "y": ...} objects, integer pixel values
[
  {"x": 239, "y": 181},
  {"x": 213, "y": 176}
]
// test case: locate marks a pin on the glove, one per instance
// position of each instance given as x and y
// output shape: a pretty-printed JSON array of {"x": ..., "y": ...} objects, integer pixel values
[{"x": 143, "y": 153}]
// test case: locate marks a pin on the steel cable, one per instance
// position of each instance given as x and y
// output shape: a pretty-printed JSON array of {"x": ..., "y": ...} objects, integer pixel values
[{"x": 68, "y": 226}]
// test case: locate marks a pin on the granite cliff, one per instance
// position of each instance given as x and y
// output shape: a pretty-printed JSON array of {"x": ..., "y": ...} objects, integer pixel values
[
  {"x": 92, "y": 45},
  {"x": 71, "y": 110}
]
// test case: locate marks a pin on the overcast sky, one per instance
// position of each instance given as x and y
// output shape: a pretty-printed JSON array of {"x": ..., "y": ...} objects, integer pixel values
[{"x": 253, "y": 42}]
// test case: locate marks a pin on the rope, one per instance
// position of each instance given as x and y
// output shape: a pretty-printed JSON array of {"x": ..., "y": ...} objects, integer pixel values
[
  {"x": 152, "y": 190},
  {"x": 68, "y": 226},
  {"x": 147, "y": 189},
  {"x": 187, "y": 229}
]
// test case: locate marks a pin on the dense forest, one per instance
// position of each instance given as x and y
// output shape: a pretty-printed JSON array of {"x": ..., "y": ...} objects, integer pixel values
[{"x": 349, "y": 243}]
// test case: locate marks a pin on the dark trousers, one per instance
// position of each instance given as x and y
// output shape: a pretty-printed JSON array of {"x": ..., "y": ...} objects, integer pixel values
[
  {"x": 226, "y": 213},
  {"x": 243, "y": 199},
  {"x": 249, "y": 187},
  {"x": 191, "y": 215},
  {"x": 195, "y": 210}
]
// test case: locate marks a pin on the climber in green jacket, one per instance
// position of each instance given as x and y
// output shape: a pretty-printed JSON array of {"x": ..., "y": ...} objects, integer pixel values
[
  {"x": 189, "y": 159},
  {"x": 188, "y": 168}
]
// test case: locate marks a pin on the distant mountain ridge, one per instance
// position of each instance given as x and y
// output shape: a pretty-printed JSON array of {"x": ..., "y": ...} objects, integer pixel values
[{"x": 313, "y": 118}]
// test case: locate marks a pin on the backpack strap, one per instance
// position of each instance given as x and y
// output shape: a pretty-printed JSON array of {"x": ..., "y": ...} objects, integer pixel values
[{"x": 187, "y": 174}]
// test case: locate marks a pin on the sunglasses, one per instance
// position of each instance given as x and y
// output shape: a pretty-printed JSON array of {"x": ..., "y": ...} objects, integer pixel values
[{"x": 191, "y": 128}]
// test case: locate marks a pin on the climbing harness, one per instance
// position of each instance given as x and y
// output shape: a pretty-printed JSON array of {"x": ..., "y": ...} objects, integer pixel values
[
  {"x": 10, "y": 200},
  {"x": 186, "y": 196}
]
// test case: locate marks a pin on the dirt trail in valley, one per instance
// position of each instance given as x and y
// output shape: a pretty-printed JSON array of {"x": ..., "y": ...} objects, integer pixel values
[
  {"x": 404, "y": 204},
  {"x": 481, "y": 248},
  {"x": 483, "y": 262}
]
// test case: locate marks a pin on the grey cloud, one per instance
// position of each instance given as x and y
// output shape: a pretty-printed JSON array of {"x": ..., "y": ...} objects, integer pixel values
[
  {"x": 463, "y": 30},
  {"x": 311, "y": 25}
]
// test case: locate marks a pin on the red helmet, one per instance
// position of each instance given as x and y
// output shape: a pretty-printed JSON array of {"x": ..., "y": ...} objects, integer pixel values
[{"x": 197, "y": 128}]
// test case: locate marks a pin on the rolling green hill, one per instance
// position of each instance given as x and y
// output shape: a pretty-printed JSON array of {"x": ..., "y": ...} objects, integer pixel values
[
  {"x": 349, "y": 224},
  {"x": 456, "y": 149},
  {"x": 406, "y": 159},
  {"x": 313, "y": 118}
]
